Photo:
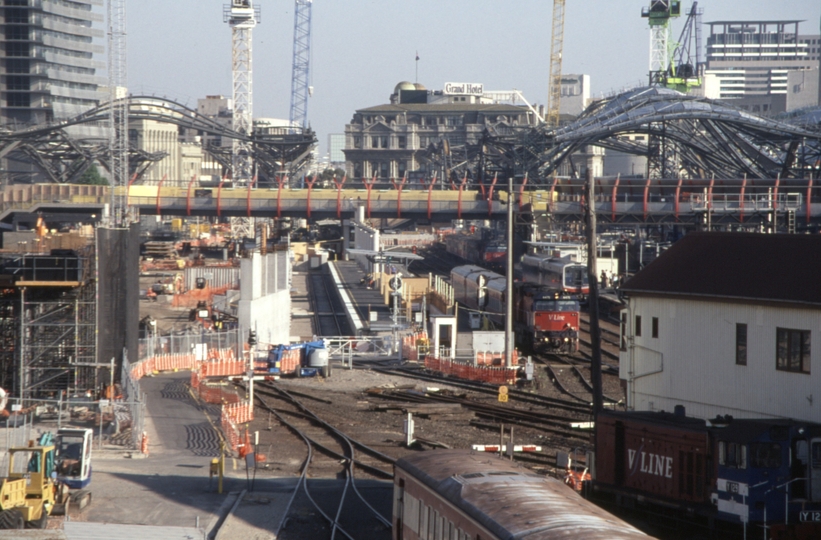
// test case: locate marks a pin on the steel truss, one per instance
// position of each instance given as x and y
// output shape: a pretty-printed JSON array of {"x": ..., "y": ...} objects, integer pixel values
[
  {"x": 63, "y": 158},
  {"x": 690, "y": 136}
]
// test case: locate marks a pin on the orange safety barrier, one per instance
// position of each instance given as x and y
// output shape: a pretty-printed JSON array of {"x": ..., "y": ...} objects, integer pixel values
[
  {"x": 223, "y": 368},
  {"x": 230, "y": 431},
  {"x": 239, "y": 413},
  {"x": 410, "y": 345},
  {"x": 176, "y": 362},
  {"x": 487, "y": 358},
  {"x": 216, "y": 395},
  {"x": 489, "y": 374}
]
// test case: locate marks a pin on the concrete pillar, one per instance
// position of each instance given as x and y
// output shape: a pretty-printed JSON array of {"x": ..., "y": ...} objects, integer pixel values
[{"x": 346, "y": 235}]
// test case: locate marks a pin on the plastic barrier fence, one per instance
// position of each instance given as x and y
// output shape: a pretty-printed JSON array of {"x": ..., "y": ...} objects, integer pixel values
[
  {"x": 239, "y": 413},
  {"x": 219, "y": 361},
  {"x": 411, "y": 345},
  {"x": 489, "y": 374}
]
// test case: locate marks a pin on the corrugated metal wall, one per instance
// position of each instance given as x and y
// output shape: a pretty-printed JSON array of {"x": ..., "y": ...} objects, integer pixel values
[
  {"x": 695, "y": 356},
  {"x": 216, "y": 276}
]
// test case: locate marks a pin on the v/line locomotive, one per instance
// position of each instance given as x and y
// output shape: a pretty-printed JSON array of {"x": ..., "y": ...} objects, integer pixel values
[
  {"x": 544, "y": 319},
  {"x": 464, "y": 495},
  {"x": 479, "y": 248},
  {"x": 734, "y": 475}
]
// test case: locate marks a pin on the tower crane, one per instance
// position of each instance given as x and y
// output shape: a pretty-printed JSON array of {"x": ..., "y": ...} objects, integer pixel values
[
  {"x": 118, "y": 112},
  {"x": 671, "y": 63},
  {"x": 554, "y": 93},
  {"x": 242, "y": 17},
  {"x": 300, "y": 74},
  {"x": 684, "y": 72},
  {"x": 658, "y": 14}
]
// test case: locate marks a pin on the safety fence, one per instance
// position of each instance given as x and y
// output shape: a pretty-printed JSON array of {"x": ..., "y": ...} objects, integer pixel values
[
  {"x": 493, "y": 358},
  {"x": 414, "y": 346},
  {"x": 217, "y": 363},
  {"x": 231, "y": 416},
  {"x": 488, "y": 374},
  {"x": 199, "y": 343},
  {"x": 215, "y": 394}
]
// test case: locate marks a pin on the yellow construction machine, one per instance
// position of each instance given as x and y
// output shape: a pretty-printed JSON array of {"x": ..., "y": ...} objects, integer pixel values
[{"x": 27, "y": 493}]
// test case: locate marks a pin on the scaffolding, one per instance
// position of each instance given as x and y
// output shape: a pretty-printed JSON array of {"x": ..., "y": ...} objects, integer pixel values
[{"x": 48, "y": 316}]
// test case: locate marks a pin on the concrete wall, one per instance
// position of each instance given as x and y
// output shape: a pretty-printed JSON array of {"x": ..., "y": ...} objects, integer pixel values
[
  {"x": 265, "y": 297},
  {"x": 692, "y": 361}
]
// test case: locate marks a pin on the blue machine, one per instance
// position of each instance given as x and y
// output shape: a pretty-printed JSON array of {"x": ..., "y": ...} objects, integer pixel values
[{"x": 281, "y": 359}]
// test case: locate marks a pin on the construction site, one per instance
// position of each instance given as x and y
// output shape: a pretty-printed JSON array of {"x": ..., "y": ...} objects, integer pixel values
[{"x": 256, "y": 351}]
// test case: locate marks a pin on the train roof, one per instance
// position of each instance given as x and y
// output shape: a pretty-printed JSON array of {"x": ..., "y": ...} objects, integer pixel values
[
  {"x": 512, "y": 502},
  {"x": 469, "y": 269},
  {"x": 724, "y": 428},
  {"x": 780, "y": 268}
]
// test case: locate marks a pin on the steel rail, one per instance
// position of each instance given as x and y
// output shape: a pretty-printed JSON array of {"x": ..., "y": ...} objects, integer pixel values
[
  {"x": 519, "y": 395},
  {"x": 350, "y": 460}
]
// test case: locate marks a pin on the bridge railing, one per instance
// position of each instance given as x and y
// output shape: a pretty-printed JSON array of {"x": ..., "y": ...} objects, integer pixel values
[{"x": 734, "y": 202}]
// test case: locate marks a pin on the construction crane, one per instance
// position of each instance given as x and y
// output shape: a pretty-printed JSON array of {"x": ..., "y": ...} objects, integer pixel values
[
  {"x": 671, "y": 63},
  {"x": 118, "y": 113},
  {"x": 658, "y": 14},
  {"x": 554, "y": 93},
  {"x": 300, "y": 74},
  {"x": 242, "y": 17},
  {"x": 684, "y": 72}
]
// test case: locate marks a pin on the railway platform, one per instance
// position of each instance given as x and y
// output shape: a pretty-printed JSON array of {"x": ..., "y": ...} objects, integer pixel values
[{"x": 366, "y": 307}]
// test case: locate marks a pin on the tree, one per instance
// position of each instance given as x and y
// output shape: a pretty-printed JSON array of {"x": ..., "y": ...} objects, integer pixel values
[{"x": 93, "y": 177}]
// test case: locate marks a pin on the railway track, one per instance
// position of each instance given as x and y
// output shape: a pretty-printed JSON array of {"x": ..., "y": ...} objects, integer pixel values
[
  {"x": 339, "y": 451},
  {"x": 478, "y": 387},
  {"x": 327, "y": 305}
]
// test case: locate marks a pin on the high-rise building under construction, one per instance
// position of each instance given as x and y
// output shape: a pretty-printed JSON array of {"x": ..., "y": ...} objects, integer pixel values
[{"x": 48, "y": 69}]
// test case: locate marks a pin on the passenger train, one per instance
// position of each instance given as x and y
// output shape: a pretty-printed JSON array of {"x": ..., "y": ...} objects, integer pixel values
[
  {"x": 545, "y": 319},
  {"x": 557, "y": 272},
  {"x": 478, "y": 248},
  {"x": 737, "y": 476},
  {"x": 464, "y": 495}
]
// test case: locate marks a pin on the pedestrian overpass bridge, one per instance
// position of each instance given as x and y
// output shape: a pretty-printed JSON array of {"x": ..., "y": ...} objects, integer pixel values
[{"x": 617, "y": 201}]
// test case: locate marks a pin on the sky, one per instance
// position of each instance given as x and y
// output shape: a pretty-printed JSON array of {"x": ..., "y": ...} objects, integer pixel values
[{"x": 360, "y": 49}]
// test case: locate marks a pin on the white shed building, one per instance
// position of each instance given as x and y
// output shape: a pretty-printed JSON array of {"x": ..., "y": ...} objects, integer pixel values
[{"x": 726, "y": 323}]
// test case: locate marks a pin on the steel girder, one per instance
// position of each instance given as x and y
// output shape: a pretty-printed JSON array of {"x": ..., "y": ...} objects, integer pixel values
[
  {"x": 694, "y": 137},
  {"x": 63, "y": 158}
]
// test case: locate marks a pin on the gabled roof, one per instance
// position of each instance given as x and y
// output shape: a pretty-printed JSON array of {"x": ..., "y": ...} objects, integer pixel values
[
  {"x": 445, "y": 108},
  {"x": 760, "y": 267}
]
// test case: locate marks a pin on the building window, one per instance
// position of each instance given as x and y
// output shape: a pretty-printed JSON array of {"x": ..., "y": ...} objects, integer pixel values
[
  {"x": 383, "y": 142},
  {"x": 655, "y": 327},
  {"x": 623, "y": 340},
  {"x": 357, "y": 142},
  {"x": 741, "y": 344},
  {"x": 374, "y": 142},
  {"x": 402, "y": 141},
  {"x": 792, "y": 350},
  {"x": 638, "y": 326}
]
